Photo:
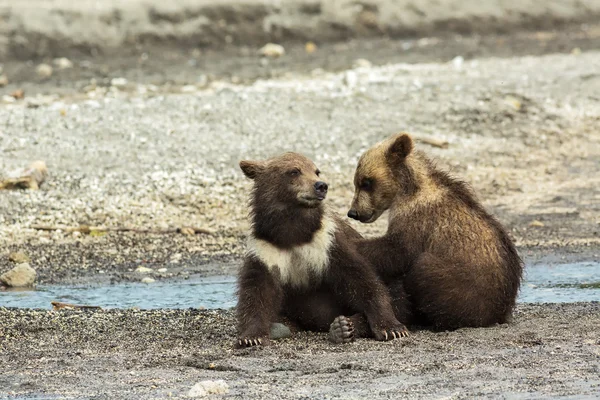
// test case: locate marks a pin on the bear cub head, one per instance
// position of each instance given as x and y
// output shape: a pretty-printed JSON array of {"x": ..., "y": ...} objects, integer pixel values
[
  {"x": 289, "y": 180},
  {"x": 384, "y": 172}
]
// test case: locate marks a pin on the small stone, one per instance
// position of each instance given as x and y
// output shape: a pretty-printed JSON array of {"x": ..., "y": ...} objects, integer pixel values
[
  {"x": 148, "y": 280},
  {"x": 310, "y": 47},
  {"x": 3, "y": 80},
  {"x": 118, "y": 82},
  {"x": 162, "y": 270},
  {"x": 20, "y": 276},
  {"x": 18, "y": 94},
  {"x": 143, "y": 270},
  {"x": 361, "y": 63},
  {"x": 350, "y": 78},
  {"x": 204, "y": 388},
  {"x": 18, "y": 257},
  {"x": 6, "y": 99},
  {"x": 188, "y": 89},
  {"x": 272, "y": 50},
  {"x": 458, "y": 62},
  {"x": 63, "y": 63},
  {"x": 44, "y": 70},
  {"x": 536, "y": 224},
  {"x": 280, "y": 331},
  {"x": 576, "y": 51}
]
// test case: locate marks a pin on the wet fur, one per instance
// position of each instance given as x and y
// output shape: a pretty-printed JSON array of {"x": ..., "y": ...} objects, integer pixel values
[
  {"x": 301, "y": 262},
  {"x": 457, "y": 263}
]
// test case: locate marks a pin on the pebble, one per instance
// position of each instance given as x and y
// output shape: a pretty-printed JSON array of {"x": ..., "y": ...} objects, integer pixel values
[
  {"x": 162, "y": 270},
  {"x": 189, "y": 89},
  {"x": 204, "y": 388},
  {"x": 148, "y": 280},
  {"x": 458, "y": 62},
  {"x": 361, "y": 63},
  {"x": 6, "y": 99},
  {"x": 280, "y": 331},
  {"x": 18, "y": 257},
  {"x": 143, "y": 270},
  {"x": 536, "y": 224},
  {"x": 118, "y": 82},
  {"x": 44, "y": 70},
  {"x": 3, "y": 80},
  {"x": 310, "y": 47},
  {"x": 272, "y": 50},
  {"x": 63, "y": 63},
  {"x": 20, "y": 276}
]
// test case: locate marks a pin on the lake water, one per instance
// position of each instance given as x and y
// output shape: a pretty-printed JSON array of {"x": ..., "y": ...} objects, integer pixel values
[{"x": 565, "y": 283}]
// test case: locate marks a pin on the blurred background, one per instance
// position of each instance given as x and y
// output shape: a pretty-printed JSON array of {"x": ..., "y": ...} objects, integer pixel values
[{"x": 140, "y": 110}]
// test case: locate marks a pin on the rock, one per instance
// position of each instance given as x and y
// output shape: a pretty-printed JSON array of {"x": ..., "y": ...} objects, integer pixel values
[
  {"x": 63, "y": 63},
  {"x": 310, "y": 47},
  {"x": 536, "y": 224},
  {"x": 361, "y": 63},
  {"x": 118, "y": 82},
  {"x": 458, "y": 62},
  {"x": 44, "y": 70},
  {"x": 18, "y": 94},
  {"x": 148, "y": 280},
  {"x": 350, "y": 78},
  {"x": 6, "y": 99},
  {"x": 272, "y": 50},
  {"x": 18, "y": 257},
  {"x": 143, "y": 270},
  {"x": 20, "y": 276},
  {"x": 204, "y": 388},
  {"x": 3, "y": 80},
  {"x": 188, "y": 89},
  {"x": 162, "y": 270},
  {"x": 280, "y": 331}
]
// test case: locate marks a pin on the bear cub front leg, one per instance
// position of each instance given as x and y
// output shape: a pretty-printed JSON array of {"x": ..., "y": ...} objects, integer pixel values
[{"x": 258, "y": 305}]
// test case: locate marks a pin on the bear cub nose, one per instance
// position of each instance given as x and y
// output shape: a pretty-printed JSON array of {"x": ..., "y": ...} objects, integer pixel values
[
  {"x": 321, "y": 187},
  {"x": 353, "y": 214}
]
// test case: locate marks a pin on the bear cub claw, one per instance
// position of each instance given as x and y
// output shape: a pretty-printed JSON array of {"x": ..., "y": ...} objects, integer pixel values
[
  {"x": 391, "y": 334},
  {"x": 341, "y": 330},
  {"x": 252, "y": 342}
]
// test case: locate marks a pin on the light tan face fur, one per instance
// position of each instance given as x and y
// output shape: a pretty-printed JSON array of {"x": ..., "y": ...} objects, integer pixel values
[
  {"x": 375, "y": 186},
  {"x": 290, "y": 177}
]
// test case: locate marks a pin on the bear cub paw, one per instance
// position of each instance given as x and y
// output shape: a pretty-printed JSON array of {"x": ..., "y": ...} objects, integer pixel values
[{"x": 341, "y": 330}]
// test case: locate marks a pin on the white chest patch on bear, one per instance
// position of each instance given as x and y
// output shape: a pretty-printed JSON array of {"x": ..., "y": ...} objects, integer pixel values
[{"x": 297, "y": 265}]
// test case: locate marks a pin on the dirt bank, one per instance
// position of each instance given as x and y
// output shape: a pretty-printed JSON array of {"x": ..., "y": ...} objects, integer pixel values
[
  {"x": 548, "y": 351},
  {"x": 35, "y": 28}
]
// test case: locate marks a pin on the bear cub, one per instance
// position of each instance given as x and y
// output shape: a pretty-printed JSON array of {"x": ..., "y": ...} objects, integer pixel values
[
  {"x": 456, "y": 262},
  {"x": 301, "y": 264}
]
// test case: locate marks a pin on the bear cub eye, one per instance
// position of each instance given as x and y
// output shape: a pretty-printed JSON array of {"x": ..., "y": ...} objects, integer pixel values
[
  {"x": 366, "y": 184},
  {"x": 318, "y": 172},
  {"x": 294, "y": 172}
]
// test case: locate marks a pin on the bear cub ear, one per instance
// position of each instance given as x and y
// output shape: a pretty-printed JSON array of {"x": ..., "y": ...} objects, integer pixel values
[
  {"x": 401, "y": 147},
  {"x": 251, "y": 168}
]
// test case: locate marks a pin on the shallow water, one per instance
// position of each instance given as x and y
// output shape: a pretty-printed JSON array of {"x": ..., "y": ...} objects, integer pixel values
[{"x": 565, "y": 283}]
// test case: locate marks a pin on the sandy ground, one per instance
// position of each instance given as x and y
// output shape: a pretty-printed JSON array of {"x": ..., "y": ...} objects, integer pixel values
[{"x": 548, "y": 351}]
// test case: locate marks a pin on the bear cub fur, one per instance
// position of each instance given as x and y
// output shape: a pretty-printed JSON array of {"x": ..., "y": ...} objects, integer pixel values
[
  {"x": 301, "y": 263},
  {"x": 456, "y": 262}
]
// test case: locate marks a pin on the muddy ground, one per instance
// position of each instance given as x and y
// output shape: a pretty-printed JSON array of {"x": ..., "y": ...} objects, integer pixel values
[
  {"x": 547, "y": 351},
  {"x": 520, "y": 113}
]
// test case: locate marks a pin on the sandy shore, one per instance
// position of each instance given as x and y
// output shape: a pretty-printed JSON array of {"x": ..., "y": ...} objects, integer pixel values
[{"x": 547, "y": 351}]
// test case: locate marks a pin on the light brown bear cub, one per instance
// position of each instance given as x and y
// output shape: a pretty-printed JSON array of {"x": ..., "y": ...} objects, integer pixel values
[
  {"x": 458, "y": 265},
  {"x": 301, "y": 262}
]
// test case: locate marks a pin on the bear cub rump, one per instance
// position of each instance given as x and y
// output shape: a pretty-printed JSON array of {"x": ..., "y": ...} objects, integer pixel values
[{"x": 301, "y": 263}]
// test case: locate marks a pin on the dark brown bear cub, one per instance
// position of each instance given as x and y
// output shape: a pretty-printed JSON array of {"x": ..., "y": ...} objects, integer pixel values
[
  {"x": 458, "y": 264},
  {"x": 301, "y": 263}
]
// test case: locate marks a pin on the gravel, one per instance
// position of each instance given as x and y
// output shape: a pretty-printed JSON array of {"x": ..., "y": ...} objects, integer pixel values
[
  {"x": 549, "y": 350},
  {"x": 522, "y": 133}
]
